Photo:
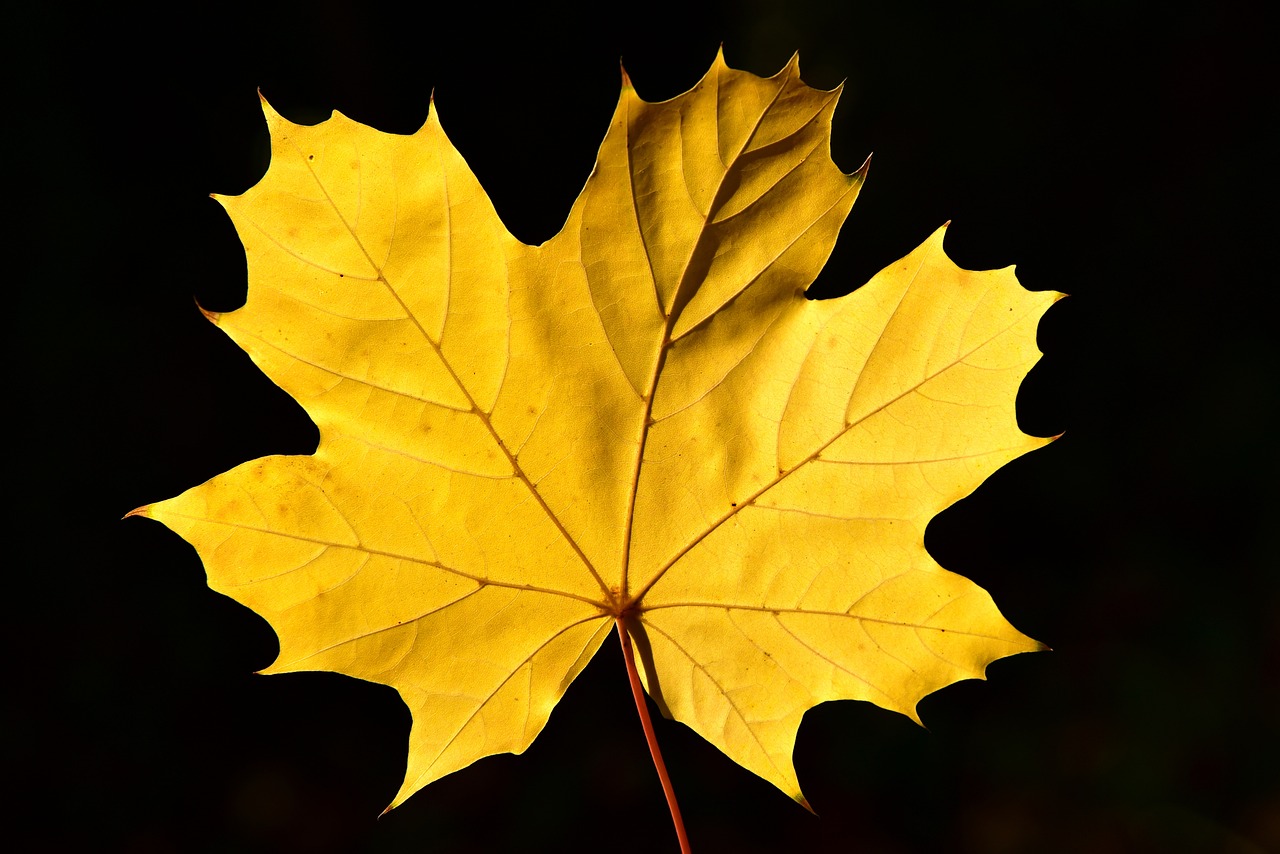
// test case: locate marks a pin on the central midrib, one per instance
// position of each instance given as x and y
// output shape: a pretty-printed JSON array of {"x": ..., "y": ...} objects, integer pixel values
[{"x": 679, "y": 300}]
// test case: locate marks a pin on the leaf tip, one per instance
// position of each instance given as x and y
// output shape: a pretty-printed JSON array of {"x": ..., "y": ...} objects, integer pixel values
[
  {"x": 719, "y": 64},
  {"x": 804, "y": 802},
  {"x": 273, "y": 669},
  {"x": 211, "y": 316},
  {"x": 144, "y": 511},
  {"x": 271, "y": 113},
  {"x": 793, "y": 66},
  {"x": 626, "y": 78},
  {"x": 405, "y": 792}
]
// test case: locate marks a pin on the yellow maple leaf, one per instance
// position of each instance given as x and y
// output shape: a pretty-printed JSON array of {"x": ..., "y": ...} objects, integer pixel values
[{"x": 643, "y": 421}]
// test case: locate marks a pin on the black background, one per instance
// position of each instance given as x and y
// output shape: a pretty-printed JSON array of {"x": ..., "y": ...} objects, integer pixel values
[{"x": 1110, "y": 152}]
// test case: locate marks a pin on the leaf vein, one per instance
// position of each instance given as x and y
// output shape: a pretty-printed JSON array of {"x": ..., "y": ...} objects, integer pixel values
[{"x": 436, "y": 345}]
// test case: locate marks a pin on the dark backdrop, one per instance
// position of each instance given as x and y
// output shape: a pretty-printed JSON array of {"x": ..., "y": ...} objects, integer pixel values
[{"x": 1109, "y": 152}]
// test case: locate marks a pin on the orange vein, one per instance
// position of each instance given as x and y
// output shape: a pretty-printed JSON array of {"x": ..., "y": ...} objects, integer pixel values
[
  {"x": 478, "y": 579},
  {"x": 750, "y": 501},
  {"x": 765, "y": 609},
  {"x": 672, "y": 316},
  {"x": 475, "y": 408}
]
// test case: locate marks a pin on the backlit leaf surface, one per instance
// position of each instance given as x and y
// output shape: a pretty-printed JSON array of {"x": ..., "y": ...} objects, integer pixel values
[{"x": 643, "y": 417}]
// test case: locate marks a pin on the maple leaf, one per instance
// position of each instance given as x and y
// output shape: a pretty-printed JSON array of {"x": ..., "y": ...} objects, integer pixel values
[{"x": 642, "y": 422}]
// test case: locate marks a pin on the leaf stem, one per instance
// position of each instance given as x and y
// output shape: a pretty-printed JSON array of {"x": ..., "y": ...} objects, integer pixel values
[{"x": 638, "y": 692}]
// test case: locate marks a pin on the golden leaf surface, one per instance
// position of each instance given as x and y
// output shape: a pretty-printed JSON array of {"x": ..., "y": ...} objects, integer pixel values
[{"x": 643, "y": 417}]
